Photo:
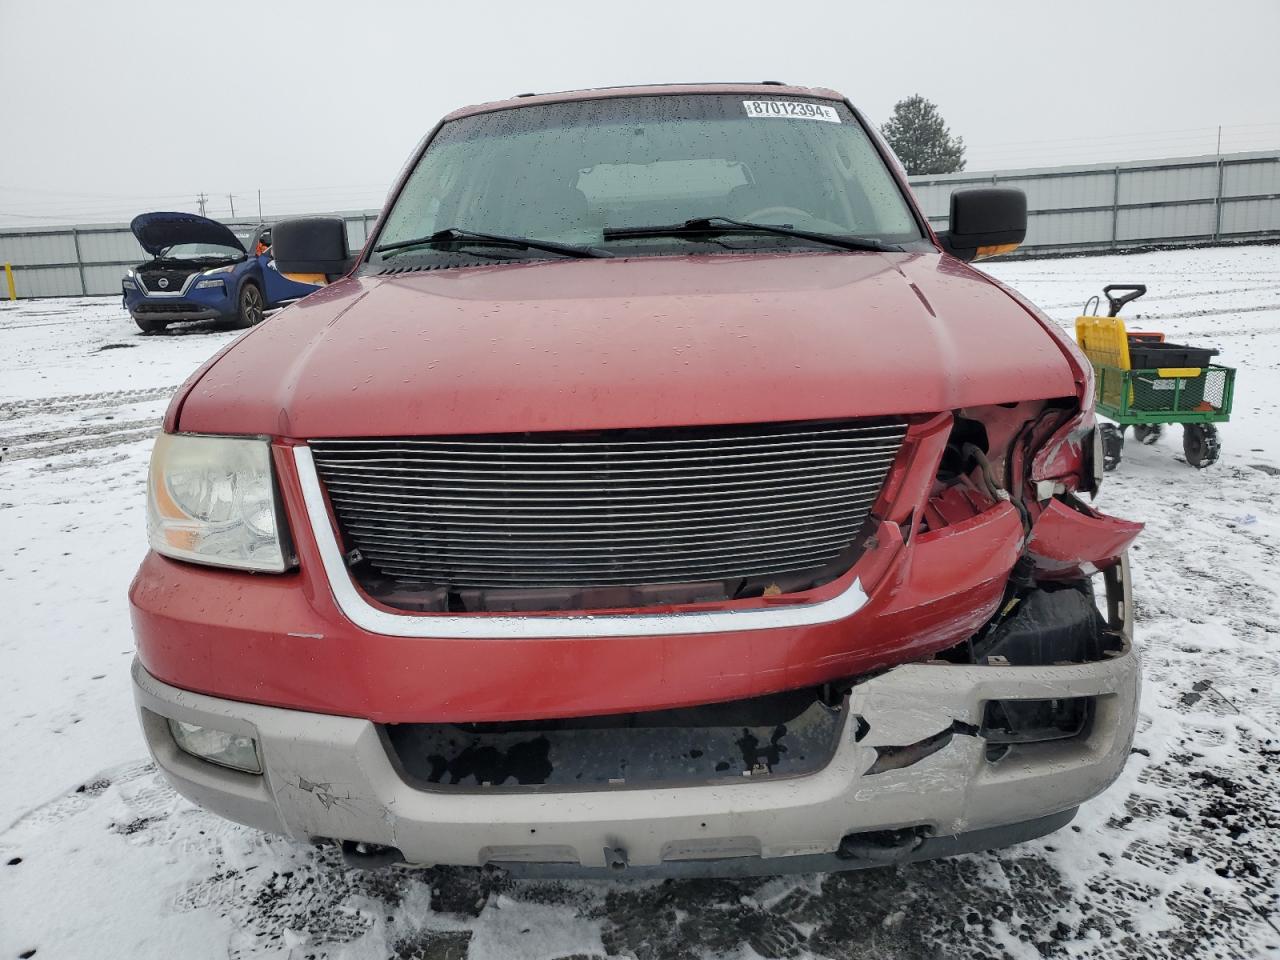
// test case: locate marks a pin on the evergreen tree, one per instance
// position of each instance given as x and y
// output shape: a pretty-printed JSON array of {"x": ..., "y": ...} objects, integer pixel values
[{"x": 921, "y": 140}]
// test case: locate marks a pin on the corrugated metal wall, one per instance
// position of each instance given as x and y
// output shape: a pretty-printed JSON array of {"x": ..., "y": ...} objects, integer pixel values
[
  {"x": 1114, "y": 206},
  {"x": 1079, "y": 208},
  {"x": 90, "y": 260}
]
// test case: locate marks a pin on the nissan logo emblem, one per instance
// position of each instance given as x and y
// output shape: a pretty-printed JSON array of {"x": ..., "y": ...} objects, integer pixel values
[{"x": 163, "y": 283}]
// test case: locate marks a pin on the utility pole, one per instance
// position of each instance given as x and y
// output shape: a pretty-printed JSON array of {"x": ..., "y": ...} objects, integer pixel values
[
  {"x": 201, "y": 200},
  {"x": 232, "y": 200},
  {"x": 1217, "y": 197},
  {"x": 259, "y": 204}
]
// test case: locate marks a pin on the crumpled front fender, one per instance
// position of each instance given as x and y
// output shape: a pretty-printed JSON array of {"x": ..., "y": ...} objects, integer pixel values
[{"x": 1069, "y": 540}]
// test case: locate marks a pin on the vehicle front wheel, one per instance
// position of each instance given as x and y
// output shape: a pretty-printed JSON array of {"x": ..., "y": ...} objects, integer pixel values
[
  {"x": 1200, "y": 444},
  {"x": 147, "y": 325},
  {"x": 1112, "y": 446},
  {"x": 251, "y": 307}
]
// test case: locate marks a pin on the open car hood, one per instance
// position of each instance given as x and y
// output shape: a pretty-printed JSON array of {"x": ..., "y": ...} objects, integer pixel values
[{"x": 158, "y": 231}]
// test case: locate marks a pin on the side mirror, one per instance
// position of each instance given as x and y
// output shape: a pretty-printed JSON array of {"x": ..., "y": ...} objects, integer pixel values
[
  {"x": 311, "y": 245},
  {"x": 985, "y": 222}
]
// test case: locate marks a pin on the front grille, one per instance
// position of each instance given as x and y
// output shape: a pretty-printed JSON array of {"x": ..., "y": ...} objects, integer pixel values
[
  {"x": 611, "y": 508},
  {"x": 174, "y": 278}
]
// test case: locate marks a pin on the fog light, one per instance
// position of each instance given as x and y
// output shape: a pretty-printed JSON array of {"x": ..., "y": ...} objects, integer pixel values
[
  {"x": 1034, "y": 721},
  {"x": 216, "y": 746}
]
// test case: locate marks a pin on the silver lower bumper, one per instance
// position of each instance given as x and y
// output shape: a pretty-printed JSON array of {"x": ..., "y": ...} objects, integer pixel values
[{"x": 332, "y": 777}]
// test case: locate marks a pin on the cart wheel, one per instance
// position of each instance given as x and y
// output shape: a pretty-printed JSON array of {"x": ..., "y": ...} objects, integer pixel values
[
  {"x": 1112, "y": 446},
  {"x": 1147, "y": 433},
  {"x": 1200, "y": 444}
]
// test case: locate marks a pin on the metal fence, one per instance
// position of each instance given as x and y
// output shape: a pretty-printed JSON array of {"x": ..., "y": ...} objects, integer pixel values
[
  {"x": 1099, "y": 207},
  {"x": 89, "y": 260}
]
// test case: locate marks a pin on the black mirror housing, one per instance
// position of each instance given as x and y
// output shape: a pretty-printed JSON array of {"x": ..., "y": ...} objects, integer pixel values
[
  {"x": 311, "y": 245},
  {"x": 985, "y": 222}
]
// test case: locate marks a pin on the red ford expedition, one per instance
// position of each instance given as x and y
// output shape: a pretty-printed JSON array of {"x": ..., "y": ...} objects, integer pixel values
[{"x": 656, "y": 492}]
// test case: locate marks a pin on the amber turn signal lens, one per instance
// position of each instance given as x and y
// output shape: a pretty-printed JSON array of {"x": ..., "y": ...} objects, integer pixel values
[{"x": 995, "y": 250}]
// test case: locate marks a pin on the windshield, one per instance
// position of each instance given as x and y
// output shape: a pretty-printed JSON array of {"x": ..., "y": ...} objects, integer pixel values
[
  {"x": 200, "y": 251},
  {"x": 569, "y": 172}
]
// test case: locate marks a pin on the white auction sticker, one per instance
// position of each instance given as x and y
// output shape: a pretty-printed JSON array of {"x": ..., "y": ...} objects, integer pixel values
[{"x": 792, "y": 109}]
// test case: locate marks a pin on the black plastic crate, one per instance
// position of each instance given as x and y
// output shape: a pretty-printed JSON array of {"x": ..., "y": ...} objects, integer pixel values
[{"x": 1148, "y": 355}]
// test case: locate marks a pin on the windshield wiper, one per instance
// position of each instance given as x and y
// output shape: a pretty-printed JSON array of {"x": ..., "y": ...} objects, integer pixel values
[
  {"x": 707, "y": 226},
  {"x": 457, "y": 235}
]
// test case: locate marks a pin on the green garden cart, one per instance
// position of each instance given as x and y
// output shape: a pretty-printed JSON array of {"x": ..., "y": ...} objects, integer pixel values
[{"x": 1144, "y": 382}]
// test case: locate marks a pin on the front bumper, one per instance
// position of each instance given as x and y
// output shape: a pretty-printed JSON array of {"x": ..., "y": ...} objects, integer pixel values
[
  {"x": 195, "y": 304},
  {"x": 173, "y": 312},
  {"x": 332, "y": 777}
]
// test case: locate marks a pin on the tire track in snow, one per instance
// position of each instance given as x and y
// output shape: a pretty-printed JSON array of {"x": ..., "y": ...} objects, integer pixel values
[
  {"x": 69, "y": 403},
  {"x": 94, "y": 442},
  {"x": 73, "y": 432},
  {"x": 74, "y": 438}
]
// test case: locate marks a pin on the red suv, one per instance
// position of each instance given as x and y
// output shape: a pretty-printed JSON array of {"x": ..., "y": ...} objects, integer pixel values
[{"x": 655, "y": 492}]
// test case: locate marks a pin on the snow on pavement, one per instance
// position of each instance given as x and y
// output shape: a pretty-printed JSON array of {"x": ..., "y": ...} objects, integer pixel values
[{"x": 99, "y": 858}]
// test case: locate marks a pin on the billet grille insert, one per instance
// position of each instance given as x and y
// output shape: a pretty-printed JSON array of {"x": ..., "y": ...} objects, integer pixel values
[{"x": 612, "y": 508}]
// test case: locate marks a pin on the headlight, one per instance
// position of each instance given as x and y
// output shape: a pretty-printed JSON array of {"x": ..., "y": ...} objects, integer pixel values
[
  {"x": 212, "y": 500},
  {"x": 208, "y": 284},
  {"x": 128, "y": 284},
  {"x": 217, "y": 270}
]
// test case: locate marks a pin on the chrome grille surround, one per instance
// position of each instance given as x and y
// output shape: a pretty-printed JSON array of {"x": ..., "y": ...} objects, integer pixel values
[
  {"x": 612, "y": 508},
  {"x": 176, "y": 284}
]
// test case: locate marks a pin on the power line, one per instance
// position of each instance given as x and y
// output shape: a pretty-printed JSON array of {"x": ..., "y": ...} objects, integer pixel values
[
  {"x": 75, "y": 193},
  {"x": 1207, "y": 138},
  {"x": 1134, "y": 134},
  {"x": 1082, "y": 153}
]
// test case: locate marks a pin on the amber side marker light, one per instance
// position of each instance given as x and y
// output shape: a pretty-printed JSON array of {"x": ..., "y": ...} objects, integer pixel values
[{"x": 995, "y": 250}]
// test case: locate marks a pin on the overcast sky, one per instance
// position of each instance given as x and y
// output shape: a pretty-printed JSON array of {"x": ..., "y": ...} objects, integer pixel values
[{"x": 110, "y": 108}]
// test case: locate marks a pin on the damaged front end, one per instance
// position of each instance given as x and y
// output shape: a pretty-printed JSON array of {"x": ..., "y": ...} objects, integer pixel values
[
  {"x": 796, "y": 733},
  {"x": 1040, "y": 457},
  {"x": 991, "y": 740},
  {"x": 995, "y": 741},
  {"x": 980, "y": 688}
]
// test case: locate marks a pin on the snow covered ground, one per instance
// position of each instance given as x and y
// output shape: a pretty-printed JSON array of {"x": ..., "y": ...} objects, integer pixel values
[{"x": 98, "y": 858}]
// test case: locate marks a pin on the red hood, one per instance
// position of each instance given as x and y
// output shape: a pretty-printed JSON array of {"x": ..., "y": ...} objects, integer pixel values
[{"x": 595, "y": 344}]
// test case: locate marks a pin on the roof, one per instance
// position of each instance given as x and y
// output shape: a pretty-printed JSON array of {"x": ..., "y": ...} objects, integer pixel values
[{"x": 761, "y": 88}]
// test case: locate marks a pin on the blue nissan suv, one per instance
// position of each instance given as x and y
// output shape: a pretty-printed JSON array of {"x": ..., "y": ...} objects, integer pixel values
[{"x": 201, "y": 270}]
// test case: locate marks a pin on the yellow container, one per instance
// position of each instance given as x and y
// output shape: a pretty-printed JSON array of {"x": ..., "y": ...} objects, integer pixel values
[{"x": 1106, "y": 343}]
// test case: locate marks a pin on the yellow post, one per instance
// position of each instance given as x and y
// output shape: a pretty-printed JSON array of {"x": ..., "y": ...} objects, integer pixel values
[{"x": 8, "y": 275}]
